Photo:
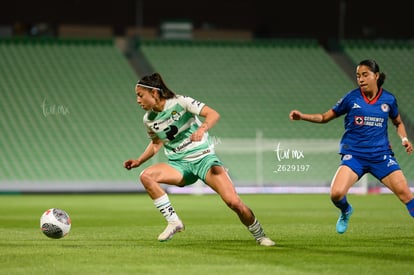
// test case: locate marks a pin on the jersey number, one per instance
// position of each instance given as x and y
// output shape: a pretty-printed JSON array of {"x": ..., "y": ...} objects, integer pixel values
[{"x": 171, "y": 131}]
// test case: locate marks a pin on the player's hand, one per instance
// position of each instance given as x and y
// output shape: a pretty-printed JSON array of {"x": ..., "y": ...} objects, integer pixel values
[
  {"x": 295, "y": 115},
  {"x": 408, "y": 146},
  {"x": 131, "y": 163},
  {"x": 197, "y": 135}
]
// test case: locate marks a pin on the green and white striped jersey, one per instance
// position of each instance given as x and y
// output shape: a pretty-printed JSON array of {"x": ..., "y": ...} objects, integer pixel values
[{"x": 175, "y": 124}]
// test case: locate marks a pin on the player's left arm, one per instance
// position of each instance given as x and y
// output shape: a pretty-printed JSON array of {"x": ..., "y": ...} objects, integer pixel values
[
  {"x": 402, "y": 133},
  {"x": 211, "y": 117}
]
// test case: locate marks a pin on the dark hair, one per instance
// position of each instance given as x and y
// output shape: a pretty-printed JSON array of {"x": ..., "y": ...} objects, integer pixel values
[
  {"x": 374, "y": 67},
  {"x": 155, "y": 80}
]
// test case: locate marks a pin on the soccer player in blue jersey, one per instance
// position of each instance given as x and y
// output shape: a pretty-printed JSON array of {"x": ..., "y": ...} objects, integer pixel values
[
  {"x": 172, "y": 122},
  {"x": 364, "y": 147}
]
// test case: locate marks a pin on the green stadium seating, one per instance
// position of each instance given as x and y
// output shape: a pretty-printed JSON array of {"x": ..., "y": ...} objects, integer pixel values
[
  {"x": 253, "y": 84},
  {"x": 69, "y": 116},
  {"x": 68, "y": 111}
]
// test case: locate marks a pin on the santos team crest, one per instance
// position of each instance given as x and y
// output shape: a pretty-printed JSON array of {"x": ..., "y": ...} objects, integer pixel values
[{"x": 175, "y": 115}]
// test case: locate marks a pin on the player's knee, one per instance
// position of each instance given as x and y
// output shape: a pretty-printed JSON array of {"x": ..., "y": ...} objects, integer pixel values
[
  {"x": 146, "y": 177},
  {"x": 336, "y": 195},
  {"x": 236, "y": 205}
]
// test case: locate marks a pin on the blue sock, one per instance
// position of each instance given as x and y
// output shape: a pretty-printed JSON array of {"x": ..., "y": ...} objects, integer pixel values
[
  {"x": 342, "y": 204},
  {"x": 410, "y": 207}
]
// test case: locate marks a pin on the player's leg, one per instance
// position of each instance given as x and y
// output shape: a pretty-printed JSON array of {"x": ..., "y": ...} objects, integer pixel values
[
  {"x": 218, "y": 179},
  {"x": 397, "y": 183},
  {"x": 391, "y": 175},
  {"x": 151, "y": 178},
  {"x": 343, "y": 180}
]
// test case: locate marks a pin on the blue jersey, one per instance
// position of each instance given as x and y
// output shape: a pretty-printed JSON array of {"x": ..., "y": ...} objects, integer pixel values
[{"x": 366, "y": 123}]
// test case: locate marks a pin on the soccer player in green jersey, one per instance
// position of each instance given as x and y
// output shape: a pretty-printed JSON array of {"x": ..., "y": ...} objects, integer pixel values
[{"x": 172, "y": 121}]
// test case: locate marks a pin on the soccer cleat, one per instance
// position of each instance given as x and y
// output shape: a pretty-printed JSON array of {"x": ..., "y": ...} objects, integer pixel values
[
  {"x": 342, "y": 223},
  {"x": 170, "y": 230},
  {"x": 265, "y": 241}
]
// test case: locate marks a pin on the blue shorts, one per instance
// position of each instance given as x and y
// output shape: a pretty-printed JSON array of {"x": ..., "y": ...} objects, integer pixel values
[
  {"x": 194, "y": 170},
  {"x": 379, "y": 167}
]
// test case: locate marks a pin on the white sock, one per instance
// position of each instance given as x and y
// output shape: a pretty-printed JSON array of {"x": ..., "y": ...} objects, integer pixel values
[{"x": 163, "y": 204}]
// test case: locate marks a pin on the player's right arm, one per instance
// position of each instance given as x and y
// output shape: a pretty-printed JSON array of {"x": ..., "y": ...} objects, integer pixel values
[
  {"x": 153, "y": 147},
  {"x": 315, "y": 118}
]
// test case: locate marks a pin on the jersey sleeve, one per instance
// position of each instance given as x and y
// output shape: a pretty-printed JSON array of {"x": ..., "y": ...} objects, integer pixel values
[
  {"x": 150, "y": 133},
  {"x": 394, "y": 109},
  {"x": 191, "y": 105},
  {"x": 341, "y": 107}
]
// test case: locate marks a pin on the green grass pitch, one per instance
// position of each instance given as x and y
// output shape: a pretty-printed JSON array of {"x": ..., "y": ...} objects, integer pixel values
[{"x": 117, "y": 234}]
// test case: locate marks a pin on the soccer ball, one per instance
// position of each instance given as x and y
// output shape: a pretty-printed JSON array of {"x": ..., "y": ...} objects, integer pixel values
[{"x": 55, "y": 223}]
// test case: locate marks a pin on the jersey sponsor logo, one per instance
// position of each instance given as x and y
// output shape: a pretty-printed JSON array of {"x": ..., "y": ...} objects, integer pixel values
[
  {"x": 157, "y": 124},
  {"x": 180, "y": 147},
  {"x": 369, "y": 121},
  {"x": 373, "y": 121},
  {"x": 385, "y": 108},
  {"x": 175, "y": 116}
]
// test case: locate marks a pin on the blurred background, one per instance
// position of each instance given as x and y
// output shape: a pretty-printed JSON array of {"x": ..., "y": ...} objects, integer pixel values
[{"x": 68, "y": 113}]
